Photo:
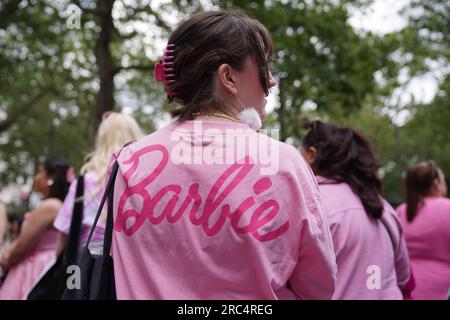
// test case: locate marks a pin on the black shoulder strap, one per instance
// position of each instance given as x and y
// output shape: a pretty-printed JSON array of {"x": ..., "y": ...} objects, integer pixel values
[
  {"x": 107, "y": 240},
  {"x": 76, "y": 223},
  {"x": 109, "y": 193},
  {"x": 108, "y": 190}
]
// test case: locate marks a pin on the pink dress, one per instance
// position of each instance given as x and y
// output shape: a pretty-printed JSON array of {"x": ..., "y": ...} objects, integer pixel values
[
  {"x": 198, "y": 216},
  {"x": 369, "y": 268},
  {"x": 22, "y": 277},
  {"x": 428, "y": 240}
]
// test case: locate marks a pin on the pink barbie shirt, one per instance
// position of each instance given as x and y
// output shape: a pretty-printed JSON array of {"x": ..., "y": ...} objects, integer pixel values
[
  {"x": 371, "y": 264},
  {"x": 92, "y": 198},
  {"x": 428, "y": 240},
  {"x": 215, "y": 210}
]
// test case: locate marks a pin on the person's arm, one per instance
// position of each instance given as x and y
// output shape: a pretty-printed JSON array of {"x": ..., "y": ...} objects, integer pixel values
[
  {"x": 61, "y": 244},
  {"x": 405, "y": 279},
  {"x": 314, "y": 276},
  {"x": 402, "y": 264},
  {"x": 41, "y": 219},
  {"x": 64, "y": 218}
]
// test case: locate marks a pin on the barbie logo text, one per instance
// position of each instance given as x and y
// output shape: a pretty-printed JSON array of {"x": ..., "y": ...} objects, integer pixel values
[
  {"x": 171, "y": 203},
  {"x": 214, "y": 146}
]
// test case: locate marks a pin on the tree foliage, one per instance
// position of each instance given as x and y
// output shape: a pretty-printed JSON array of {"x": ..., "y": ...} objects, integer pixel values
[{"x": 56, "y": 81}]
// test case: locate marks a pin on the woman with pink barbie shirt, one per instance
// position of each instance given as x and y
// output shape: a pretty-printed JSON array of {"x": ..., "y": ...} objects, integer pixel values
[
  {"x": 371, "y": 253},
  {"x": 27, "y": 257},
  {"x": 207, "y": 207},
  {"x": 426, "y": 221}
]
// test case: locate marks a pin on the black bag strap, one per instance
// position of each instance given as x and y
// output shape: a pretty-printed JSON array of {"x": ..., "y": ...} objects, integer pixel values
[
  {"x": 109, "y": 193},
  {"x": 71, "y": 250},
  {"x": 107, "y": 240},
  {"x": 109, "y": 190}
]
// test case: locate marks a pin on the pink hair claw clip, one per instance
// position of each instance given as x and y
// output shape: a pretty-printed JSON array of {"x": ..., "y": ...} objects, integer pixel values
[{"x": 164, "y": 70}]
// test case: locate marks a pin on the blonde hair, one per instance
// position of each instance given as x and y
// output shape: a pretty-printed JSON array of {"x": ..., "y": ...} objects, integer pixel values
[{"x": 115, "y": 130}]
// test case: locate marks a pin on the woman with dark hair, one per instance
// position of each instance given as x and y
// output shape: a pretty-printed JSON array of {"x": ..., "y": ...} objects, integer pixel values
[
  {"x": 370, "y": 250},
  {"x": 426, "y": 221},
  {"x": 34, "y": 249},
  {"x": 198, "y": 212}
]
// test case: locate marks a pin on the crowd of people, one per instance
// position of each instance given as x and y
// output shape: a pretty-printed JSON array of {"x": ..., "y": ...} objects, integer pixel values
[{"x": 198, "y": 215}]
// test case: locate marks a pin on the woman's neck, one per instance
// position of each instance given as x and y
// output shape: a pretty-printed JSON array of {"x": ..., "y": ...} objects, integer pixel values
[
  {"x": 224, "y": 112},
  {"x": 46, "y": 196},
  {"x": 214, "y": 116},
  {"x": 433, "y": 194}
]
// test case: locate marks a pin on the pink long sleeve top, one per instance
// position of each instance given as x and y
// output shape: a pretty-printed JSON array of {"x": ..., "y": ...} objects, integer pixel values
[
  {"x": 198, "y": 216},
  {"x": 372, "y": 262},
  {"x": 428, "y": 241}
]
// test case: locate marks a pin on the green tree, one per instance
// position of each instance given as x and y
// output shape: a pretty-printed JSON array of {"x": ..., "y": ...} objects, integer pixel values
[
  {"x": 56, "y": 81},
  {"x": 426, "y": 44},
  {"x": 320, "y": 60}
]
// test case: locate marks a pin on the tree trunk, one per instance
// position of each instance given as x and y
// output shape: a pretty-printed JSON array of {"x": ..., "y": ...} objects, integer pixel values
[
  {"x": 105, "y": 98},
  {"x": 8, "y": 12}
]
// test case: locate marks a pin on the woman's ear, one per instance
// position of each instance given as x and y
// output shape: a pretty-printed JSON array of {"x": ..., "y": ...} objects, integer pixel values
[
  {"x": 439, "y": 186},
  {"x": 226, "y": 80},
  {"x": 310, "y": 154}
]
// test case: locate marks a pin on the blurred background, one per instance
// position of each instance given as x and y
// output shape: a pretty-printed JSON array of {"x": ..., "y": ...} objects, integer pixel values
[{"x": 379, "y": 66}]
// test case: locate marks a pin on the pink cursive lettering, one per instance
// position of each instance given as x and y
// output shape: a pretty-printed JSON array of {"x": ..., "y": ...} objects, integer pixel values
[{"x": 215, "y": 201}]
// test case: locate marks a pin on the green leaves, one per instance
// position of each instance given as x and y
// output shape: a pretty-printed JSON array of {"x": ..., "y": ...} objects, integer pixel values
[
  {"x": 49, "y": 76},
  {"x": 326, "y": 69}
]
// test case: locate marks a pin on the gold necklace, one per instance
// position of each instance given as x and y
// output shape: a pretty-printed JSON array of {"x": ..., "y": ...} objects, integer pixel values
[{"x": 215, "y": 114}]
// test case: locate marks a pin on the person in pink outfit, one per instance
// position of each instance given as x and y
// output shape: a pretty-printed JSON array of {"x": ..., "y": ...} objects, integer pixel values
[
  {"x": 206, "y": 207},
  {"x": 34, "y": 249},
  {"x": 114, "y": 131},
  {"x": 371, "y": 253},
  {"x": 426, "y": 221}
]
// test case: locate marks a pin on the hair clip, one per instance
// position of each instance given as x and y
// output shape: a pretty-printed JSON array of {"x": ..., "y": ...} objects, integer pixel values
[{"x": 164, "y": 70}]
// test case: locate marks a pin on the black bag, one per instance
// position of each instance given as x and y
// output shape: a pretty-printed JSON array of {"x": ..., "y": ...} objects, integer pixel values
[
  {"x": 51, "y": 286},
  {"x": 97, "y": 270}
]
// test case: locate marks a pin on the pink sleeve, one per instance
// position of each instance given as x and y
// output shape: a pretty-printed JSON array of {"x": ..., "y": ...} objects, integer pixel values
[
  {"x": 401, "y": 212},
  {"x": 314, "y": 276},
  {"x": 64, "y": 217},
  {"x": 402, "y": 264}
]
